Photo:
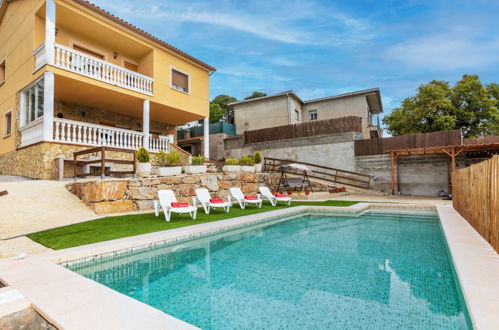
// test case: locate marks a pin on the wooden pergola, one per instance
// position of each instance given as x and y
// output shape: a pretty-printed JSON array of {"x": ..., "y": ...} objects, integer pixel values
[{"x": 447, "y": 151}]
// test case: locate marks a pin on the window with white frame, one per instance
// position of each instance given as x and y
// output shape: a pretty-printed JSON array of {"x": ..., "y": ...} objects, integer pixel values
[
  {"x": 7, "y": 123},
  {"x": 180, "y": 81},
  {"x": 32, "y": 102},
  {"x": 312, "y": 115}
]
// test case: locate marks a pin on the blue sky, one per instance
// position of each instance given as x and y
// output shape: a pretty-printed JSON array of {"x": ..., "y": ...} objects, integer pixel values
[{"x": 321, "y": 48}]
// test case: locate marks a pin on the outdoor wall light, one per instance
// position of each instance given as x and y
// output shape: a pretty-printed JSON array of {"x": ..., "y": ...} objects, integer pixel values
[{"x": 115, "y": 54}]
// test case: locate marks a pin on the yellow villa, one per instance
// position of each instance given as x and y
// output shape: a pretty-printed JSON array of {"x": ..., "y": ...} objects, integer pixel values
[{"x": 73, "y": 77}]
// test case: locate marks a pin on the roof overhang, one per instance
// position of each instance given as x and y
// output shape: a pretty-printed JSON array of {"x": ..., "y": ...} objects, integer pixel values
[
  {"x": 263, "y": 98},
  {"x": 107, "y": 15}
]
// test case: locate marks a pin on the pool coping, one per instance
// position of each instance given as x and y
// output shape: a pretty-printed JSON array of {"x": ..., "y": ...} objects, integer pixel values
[{"x": 66, "y": 298}]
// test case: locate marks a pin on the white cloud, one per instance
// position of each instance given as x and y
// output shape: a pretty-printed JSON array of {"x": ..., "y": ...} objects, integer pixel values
[
  {"x": 292, "y": 22},
  {"x": 453, "y": 50}
]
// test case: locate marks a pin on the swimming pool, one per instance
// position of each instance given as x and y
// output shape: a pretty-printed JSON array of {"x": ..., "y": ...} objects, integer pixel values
[{"x": 377, "y": 270}]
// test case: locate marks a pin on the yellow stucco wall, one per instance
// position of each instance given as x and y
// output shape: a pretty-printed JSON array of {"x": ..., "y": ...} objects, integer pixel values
[
  {"x": 152, "y": 59},
  {"x": 22, "y": 30},
  {"x": 16, "y": 46}
]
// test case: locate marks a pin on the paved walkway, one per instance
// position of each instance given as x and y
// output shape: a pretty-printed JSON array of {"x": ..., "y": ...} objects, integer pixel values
[{"x": 34, "y": 205}]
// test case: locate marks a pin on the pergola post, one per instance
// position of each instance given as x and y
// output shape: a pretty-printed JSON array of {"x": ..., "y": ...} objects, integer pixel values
[{"x": 392, "y": 159}]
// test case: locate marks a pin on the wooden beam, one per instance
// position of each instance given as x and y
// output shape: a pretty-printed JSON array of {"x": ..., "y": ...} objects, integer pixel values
[
  {"x": 398, "y": 175},
  {"x": 392, "y": 161}
]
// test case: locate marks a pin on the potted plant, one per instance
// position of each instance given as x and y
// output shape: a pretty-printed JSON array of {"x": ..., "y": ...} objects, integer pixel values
[
  {"x": 247, "y": 163},
  {"x": 307, "y": 192},
  {"x": 144, "y": 166},
  {"x": 196, "y": 165},
  {"x": 168, "y": 162},
  {"x": 290, "y": 191},
  {"x": 231, "y": 165},
  {"x": 258, "y": 161}
]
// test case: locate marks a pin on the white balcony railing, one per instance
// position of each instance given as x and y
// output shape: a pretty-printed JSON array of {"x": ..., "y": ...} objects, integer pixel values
[
  {"x": 75, "y": 61},
  {"x": 75, "y": 132}
]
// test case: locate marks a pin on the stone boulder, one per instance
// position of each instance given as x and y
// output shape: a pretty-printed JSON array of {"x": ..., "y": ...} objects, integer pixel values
[
  {"x": 113, "y": 207},
  {"x": 103, "y": 191}
]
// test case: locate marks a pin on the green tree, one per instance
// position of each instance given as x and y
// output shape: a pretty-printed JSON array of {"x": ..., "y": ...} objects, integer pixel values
[
  {"x": 255, "y": 95},
  {"x": 223, "y": 101},
  {"x": 468, "y": 106},
  {"x": 216, "y": 113}
]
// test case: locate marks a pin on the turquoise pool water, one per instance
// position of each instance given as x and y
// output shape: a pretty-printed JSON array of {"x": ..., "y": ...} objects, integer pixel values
[{"x": 378, "y": 271}]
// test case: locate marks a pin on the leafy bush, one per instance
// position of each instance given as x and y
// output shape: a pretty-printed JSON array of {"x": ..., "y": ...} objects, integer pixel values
[
  {"x": 161, "y": 158},
  {"x": 143, "y": 155},
  {"x": 231, "y": 161},
  {"x": 171, "y": 159},
  {"x": 198, "y": 160},
  {"x": 247, "y": 160},
  {"x": 257, "y": 157}
]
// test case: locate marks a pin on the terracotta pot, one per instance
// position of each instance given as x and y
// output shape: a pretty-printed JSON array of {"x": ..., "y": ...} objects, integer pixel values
[
  {"x": 290, "y": 192},
  {"x": 307, "y": 192}
]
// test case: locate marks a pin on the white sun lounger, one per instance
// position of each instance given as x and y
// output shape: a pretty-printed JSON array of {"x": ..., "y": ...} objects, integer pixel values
[
  {"x": 166, "y": 198},
  {"x": 266, "y": 194},
  {"x": 237, "y": 195},
  {"x": 203, "y": 197}
]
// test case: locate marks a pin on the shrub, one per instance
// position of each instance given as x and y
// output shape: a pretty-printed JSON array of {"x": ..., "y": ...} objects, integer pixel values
[
  {"x": 198, "y": 160},
  {"x": 161, "y": 158},
  {"x": 257, "y": 157},
  {"x": 143, "y": 155},
  {"x": 173, "y": 158},
  {"x": 231, "y": 161},
  {"x": 247, "y": 160}
]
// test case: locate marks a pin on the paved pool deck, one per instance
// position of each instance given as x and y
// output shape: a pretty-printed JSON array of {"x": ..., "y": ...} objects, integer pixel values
[{"x": 67, "y": 299}]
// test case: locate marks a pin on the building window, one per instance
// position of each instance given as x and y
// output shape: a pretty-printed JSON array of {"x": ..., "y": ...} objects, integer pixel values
[
  {"x": 7, "y": 124},
  {"x": 32, "y": 102},
  {"x": 297, "y": 115},
  {"x": 180, "y": 81},
  {"x": 312, "y": 115},
  {"x": 88, "y": 52},
  {"x": 130, "y": 66},
  {"x": 2, "y": 72}
]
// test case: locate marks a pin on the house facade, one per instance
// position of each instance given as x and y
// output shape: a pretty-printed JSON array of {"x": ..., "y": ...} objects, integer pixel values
[
  {"x": 287, "y": 108},
  {"x": 73, "y": 76}
]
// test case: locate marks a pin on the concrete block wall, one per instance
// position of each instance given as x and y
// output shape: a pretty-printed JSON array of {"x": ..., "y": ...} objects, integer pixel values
[
  {"x": 419, "y": 175},
  {"x": 335, "y": 150}
]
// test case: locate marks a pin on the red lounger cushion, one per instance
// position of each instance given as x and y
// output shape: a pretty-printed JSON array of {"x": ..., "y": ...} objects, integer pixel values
[
  {"x": 180, "y": 204},
  {"x": 216, "y": 200},
  {"x": 280, "y": 195},
  {"x": 251, "y": 197}
]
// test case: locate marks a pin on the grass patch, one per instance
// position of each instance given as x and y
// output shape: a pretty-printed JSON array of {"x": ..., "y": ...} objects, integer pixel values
[{"x": 105, "y": 229}]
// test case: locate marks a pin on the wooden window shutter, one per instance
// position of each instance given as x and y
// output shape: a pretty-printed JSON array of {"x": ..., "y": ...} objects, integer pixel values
[{"x": 180, "y": 80}]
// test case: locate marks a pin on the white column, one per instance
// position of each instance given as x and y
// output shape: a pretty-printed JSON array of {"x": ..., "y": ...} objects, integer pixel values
[
  {"x": 145, "y": 123},
  {"x": 49, "y": 31},
  {"x": 48, "y": 106},
  {"x": 206, "y": 140}
]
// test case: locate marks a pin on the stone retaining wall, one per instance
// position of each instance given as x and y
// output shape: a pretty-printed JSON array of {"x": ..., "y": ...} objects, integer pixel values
[{"x": 123, "y": 195}]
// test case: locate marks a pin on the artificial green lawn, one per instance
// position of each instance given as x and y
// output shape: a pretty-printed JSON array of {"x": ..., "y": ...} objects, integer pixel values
[{"x": 105, "y": 229}]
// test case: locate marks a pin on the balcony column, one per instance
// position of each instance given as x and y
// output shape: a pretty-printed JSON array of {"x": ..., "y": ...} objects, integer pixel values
[
  {"x": 49, "y": 31},
  {"x": 206, "y": 139},
  {"x": 145, "y": 123},
  {"x": 48, "y": 106}
]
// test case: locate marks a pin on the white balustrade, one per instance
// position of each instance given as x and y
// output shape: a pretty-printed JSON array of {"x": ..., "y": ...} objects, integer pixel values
[
  {"x": 76, "y": 132},
  {"x": 162, "y": 143},
  {"x": 75, "y": 61}
]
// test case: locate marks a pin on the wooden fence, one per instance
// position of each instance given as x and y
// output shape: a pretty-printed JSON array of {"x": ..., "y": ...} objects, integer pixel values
[
  {"x": 419, "y": 140},
  {"x": 475, "y": 195},
  {"x": 312, "y": 128}
]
